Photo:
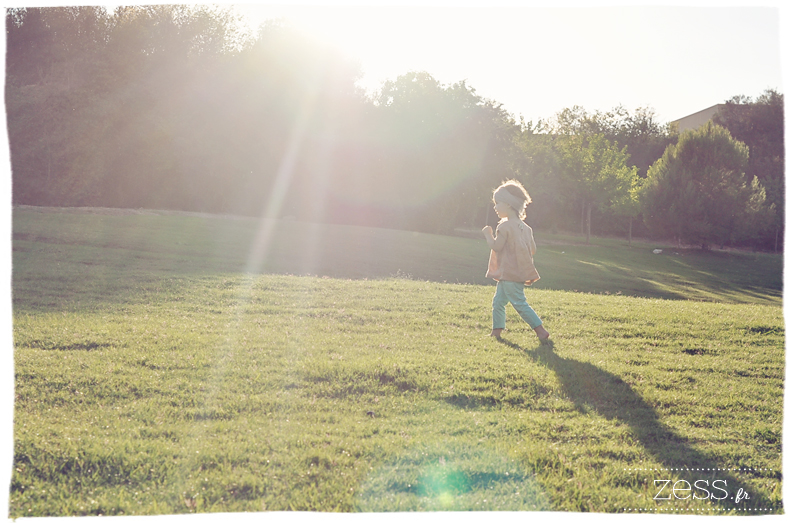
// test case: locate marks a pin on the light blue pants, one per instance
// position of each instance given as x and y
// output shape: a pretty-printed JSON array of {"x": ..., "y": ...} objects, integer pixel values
[{"x": 512, "y": 292}]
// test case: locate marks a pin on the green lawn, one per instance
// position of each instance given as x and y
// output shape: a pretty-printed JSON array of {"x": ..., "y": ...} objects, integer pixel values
[{"x": 175, "y": 364}]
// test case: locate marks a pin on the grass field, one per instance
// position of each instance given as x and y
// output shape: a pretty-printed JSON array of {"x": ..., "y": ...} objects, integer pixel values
[{"x": 175, "y": 364}]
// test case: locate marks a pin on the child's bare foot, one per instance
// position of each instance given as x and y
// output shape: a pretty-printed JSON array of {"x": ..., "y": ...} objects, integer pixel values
[
  {"x": 496, "y": 333},
  {"x": 542, "y": 333}
]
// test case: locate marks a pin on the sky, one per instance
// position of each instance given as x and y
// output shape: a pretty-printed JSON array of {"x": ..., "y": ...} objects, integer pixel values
[
  {"x": 675, "y": 57},
  {"x": 538, "y": 60}
]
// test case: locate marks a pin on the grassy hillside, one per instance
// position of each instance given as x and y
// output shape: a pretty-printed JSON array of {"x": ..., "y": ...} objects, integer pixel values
[
  {"x": 152, "y": 247},
  {"x": 157, "y": 371}
]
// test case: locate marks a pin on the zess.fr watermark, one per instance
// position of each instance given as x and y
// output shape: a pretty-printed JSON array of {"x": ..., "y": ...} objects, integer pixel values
[
  {"x": 716, "y": 486},
  {"x": 668, "y": 489}
]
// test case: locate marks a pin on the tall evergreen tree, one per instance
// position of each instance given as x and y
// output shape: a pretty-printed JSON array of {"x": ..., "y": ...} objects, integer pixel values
[
  {"x": 698, "y": 191},
  {"x": 759, "y": 124}
]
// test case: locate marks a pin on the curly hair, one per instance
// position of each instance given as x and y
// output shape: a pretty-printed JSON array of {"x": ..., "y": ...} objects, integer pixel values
[{"x": 517, "y": 190}]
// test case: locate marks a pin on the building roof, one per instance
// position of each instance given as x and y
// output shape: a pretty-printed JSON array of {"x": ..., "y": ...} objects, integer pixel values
[{"x": 695, "y": 120}]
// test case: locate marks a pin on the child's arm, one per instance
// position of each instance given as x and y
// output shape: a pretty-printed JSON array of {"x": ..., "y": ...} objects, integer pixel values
[{"x": 495, "y": 243}]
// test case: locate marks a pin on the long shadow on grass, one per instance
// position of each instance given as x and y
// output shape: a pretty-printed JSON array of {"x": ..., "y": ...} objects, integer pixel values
[{"x": 591, "y": 387}]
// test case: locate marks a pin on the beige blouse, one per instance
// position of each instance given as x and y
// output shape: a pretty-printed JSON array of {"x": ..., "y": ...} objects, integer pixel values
[{"x": 511, "y": 258}]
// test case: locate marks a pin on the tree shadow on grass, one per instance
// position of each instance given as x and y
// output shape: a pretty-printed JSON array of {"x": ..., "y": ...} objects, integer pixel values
[{"x": 590, "y": 387}]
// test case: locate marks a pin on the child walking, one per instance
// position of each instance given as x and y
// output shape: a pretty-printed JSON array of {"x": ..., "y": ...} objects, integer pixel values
[{"x": 511, "y": 258}]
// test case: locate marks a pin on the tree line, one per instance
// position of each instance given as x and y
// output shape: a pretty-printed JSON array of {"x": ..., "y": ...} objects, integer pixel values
[{"x": 177, "y": 107}]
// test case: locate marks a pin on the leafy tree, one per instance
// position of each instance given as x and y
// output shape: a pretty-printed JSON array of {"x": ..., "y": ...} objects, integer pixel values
[
  {"x": 538, "y": 167},
  {"x": 171, "y": 109},
  {"x": 53, "y": 55},
  {"x": 445, "y": 146},
  {"x": 639, "y": 133},
  {"x": 644, "y": 138},
  {"x": 596, "y": 175},
  {"x": 698, "y": 191},
  {"x": 54, "y": 45},
  {"x": 90, "y": 96},
  {"x": 170, "y": 106}
]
